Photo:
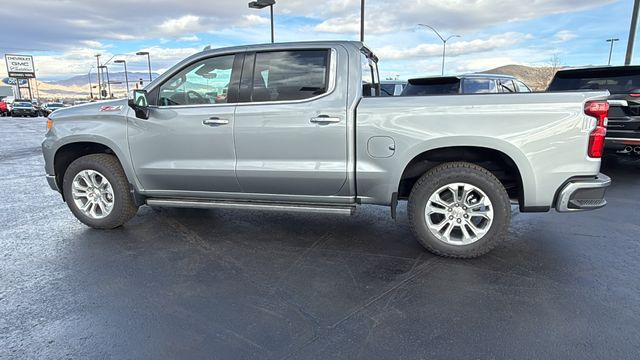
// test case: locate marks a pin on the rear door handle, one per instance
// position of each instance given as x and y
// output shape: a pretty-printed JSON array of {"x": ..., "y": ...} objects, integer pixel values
[
  {"x": 215, "y": 121},
  {"x": 325, "y": 119}
]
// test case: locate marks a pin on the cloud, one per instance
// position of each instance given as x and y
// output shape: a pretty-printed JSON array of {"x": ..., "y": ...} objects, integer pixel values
[
  {"x": 181, "y": 25},
  {"x": 192, "y": 38},
  {"x": 452, "y": 15},
  {"x": 456, "y": 48},
  {"x": 250, "y": 20},
  {"x": 564, "y": 35}
]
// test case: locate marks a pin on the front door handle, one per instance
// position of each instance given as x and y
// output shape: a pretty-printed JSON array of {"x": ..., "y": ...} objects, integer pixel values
[
  {"x": 215, "y": 121},
  {"x": 325, "y": 119}
]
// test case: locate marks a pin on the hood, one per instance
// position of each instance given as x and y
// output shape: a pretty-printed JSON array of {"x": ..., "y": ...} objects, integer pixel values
[{"x": 108, "y": 107}]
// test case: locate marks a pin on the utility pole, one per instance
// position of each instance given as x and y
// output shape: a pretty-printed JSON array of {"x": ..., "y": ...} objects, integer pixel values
[
  {"x": 98, "y": 75},
  {"x": 612, "y": 40},
  {"x": 361, "y": 20},
  {"x": 632, "y": 32}
]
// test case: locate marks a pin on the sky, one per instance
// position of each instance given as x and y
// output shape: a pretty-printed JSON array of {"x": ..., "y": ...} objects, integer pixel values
[{"x": 64, "y": 35}]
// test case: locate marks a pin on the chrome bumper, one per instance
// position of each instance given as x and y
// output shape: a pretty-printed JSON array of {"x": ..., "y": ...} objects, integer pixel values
[{"x": 583, "y": 194}]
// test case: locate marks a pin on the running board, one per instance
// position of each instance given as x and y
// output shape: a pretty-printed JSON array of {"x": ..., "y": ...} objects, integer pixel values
[{"x": 246, "y": 205}]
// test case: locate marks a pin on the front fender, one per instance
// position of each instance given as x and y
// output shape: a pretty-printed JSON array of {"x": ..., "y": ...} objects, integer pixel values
[{"x": 107, "y": 130}]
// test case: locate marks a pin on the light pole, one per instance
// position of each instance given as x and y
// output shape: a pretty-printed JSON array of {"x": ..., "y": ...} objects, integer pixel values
[
  {"x": 361, "y": 20},
  {"x": 612, "y": 40},
  {"x": 126, "y": 76},
  {"x": 444, "y": 43},
  {"x": 632, "y": 32},
  {"x": 142, "y": 53},
  {"x": 261, "y": 4},
  {"x": 98, "y": 75},
  {"x": 108, "y": 81},
  {"x": 90, "y": 85}
]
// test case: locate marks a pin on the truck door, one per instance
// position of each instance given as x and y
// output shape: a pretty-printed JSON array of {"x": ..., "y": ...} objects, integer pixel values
[
  {"x": 290, "y": 125},
  {"x": 186, "y": 146}
]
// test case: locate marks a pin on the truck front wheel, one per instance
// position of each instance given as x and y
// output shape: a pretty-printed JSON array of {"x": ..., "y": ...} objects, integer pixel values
[
  {"x": 97, "y": 191},
  {"x": 459, "y": 210}
]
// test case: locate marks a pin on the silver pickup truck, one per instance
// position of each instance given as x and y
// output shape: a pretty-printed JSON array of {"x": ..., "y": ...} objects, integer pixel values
[{"x": 301, "y": 127}]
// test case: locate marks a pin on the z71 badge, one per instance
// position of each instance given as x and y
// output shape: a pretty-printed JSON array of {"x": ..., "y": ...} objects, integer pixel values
[{"x": 110, "y": 108}]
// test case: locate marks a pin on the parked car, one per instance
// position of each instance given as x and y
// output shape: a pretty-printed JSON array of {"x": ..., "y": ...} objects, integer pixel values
[
  {"x": 464, "y": 84},
  {"x": 48, "y": 108},
  {"x": 299, "y": 130},
  {"x": 623, "y": 83},
  {"x": 23, "y": 108},
  {"x": 392, "y": 87},
  {"x": 3, "y": 108}
]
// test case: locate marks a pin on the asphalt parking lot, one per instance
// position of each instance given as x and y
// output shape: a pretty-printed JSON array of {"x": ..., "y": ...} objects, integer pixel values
[{"x": 176, "y": 283}]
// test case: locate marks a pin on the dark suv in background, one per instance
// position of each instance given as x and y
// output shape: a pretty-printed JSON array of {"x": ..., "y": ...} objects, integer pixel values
[
  {"x": 623, "y": 82},
  {"x": 464, "y": 84}
]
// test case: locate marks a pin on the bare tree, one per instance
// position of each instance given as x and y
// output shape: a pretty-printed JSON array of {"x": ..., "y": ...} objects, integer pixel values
[{"x": 541, "y": 76}]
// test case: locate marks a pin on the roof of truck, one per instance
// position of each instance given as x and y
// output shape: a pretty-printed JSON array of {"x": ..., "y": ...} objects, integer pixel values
[
  {"x": 600, "y": 68},
  {"x": 286, "y": 45},
  {"x": 467, "y": 76}
]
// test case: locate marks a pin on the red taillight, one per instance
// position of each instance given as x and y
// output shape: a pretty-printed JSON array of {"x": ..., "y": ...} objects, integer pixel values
[
  {"x": 600, "y": 111},
  {"x": 634, "y": 95}
]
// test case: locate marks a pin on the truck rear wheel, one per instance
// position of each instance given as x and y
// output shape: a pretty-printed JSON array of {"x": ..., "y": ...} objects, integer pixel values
[
  {"x": 459, "y": 210},
  {"x": 97, "y": 191}
]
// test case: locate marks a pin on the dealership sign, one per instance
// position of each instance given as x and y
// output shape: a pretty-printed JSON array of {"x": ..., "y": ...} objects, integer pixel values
[
  {"x": 12, "y": 81},
  {"x": 20, "y": 66}
]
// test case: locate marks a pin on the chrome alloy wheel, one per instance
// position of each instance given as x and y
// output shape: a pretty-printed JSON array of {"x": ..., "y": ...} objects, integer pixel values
[
  {"x": 459, "y": 214},
  {"x": 92, "y": 194}
]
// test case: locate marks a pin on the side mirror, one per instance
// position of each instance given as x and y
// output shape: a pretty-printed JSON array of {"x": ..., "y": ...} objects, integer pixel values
[{"x": 138, "y": 102}]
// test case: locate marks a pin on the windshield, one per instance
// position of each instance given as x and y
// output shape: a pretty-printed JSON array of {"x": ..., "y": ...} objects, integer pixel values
[
  {"x": 55, "y": 105},
  {"x": 616, "y": 81},
  {"x": 22, "y": 104},
  {"x": 434, "y": 86}
]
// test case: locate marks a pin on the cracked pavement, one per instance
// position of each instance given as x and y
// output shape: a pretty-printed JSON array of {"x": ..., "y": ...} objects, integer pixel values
[{"x": 181, "y": 283}]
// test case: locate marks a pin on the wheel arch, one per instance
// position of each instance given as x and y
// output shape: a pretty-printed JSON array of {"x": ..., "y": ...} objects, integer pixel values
[
  {"x": 68, "y": 152},
  {"x": 505, "y": 161}
]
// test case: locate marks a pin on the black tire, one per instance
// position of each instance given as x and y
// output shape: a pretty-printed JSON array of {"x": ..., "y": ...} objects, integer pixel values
[
  {"x": 124, "y": 207},
  {"x": 464, "y": 172}
]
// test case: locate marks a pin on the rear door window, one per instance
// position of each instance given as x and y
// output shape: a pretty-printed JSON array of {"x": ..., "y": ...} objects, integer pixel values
[
  {"x": 290, "y": 75},
  {"x": 507, "y": 86},
  {"x": 479, "y": 86}
]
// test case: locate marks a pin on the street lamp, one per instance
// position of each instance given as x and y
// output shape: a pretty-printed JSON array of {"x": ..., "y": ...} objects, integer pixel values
[
  {"x": 612, "y": 40},
  {"x": 98, "y": 75},
  {"x": 142, "y": 53},
  {"x": 444, "y": 43},
  {"x": 261, "y": 4},
  {"x": 126, "y": 76},
  {"x": 108, "y": 81}
]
